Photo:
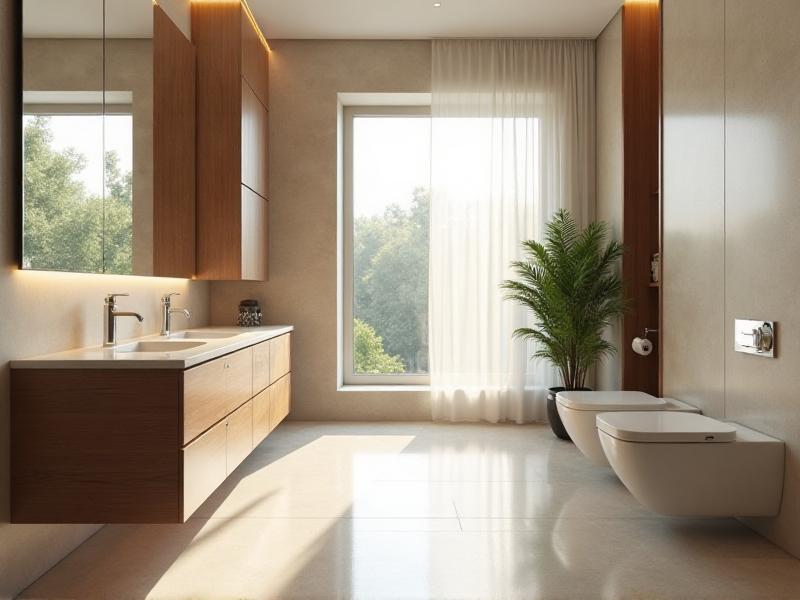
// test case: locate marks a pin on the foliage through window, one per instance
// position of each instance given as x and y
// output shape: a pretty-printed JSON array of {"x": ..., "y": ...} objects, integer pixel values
[
  {"x": 78, "y": 209},
  {"x": 389, "y": 220}
]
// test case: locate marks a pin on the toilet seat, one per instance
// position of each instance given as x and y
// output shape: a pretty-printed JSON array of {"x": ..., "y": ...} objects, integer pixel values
[
  {"x": 665, "y": 427},
  {"x": 610, "y": 401},
  {"x": 578, "y": 412}
]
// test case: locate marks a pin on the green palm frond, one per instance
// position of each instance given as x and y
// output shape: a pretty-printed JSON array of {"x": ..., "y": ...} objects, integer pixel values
[{"x": 571, "y": 285}]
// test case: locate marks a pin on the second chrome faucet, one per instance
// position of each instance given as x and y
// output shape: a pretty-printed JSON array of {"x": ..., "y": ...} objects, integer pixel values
[{"x": 167, "y": 310}]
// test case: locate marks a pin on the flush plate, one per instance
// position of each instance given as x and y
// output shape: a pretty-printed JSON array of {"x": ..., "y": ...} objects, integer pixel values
[{"x": 754, "y": 337}]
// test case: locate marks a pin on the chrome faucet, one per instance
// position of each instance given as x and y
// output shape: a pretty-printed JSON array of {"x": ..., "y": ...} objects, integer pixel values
[
  {"x": 110, "y": 314},
  {"x": 167, "y": 310}
]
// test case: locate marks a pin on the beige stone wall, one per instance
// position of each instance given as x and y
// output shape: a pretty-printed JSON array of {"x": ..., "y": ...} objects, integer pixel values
[
  {"x": 610, "y": 167},
  {"x": 48, "y": 312},
  {"x": 305, "y": 77},
  {"x": 731, "y": 217}
]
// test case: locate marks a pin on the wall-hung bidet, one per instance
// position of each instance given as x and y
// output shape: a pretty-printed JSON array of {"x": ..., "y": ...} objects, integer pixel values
[
  {"x": 579, "y": 410},
  {"x": 685, "y": 464}
]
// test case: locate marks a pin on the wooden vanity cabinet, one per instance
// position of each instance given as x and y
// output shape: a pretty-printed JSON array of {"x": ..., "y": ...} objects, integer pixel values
[
  {"x": 273, "y": 397},
  {"x": 139, "y": 445},
  {"x": 232, "y": 143}
]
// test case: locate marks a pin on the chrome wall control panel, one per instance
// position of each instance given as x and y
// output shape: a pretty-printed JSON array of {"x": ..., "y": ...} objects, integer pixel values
[{"x": 754, "y": 337}]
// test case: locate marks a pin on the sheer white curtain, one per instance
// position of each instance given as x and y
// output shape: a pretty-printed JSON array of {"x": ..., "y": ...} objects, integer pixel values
[{"x": 513, "y": 135}]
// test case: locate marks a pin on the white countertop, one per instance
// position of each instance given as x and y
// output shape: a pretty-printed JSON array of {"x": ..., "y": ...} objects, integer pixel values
[{"x": 98, "y": 357}]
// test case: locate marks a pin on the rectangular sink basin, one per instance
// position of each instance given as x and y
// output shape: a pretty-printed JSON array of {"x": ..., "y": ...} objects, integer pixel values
[
  {"x": 159, "y": 346},
  {"x": 203, "y": 335}
]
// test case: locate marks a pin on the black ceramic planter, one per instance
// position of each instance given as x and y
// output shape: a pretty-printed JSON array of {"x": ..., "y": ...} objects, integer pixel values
[{"x": 552, "y": 413}]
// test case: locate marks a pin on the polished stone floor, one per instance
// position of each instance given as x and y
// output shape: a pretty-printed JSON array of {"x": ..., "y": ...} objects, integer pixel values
[{"x": 419, "y": 510}]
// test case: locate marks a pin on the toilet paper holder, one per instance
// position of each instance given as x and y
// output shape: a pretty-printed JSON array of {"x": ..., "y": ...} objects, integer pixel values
[{"x": 648, "y": 331}]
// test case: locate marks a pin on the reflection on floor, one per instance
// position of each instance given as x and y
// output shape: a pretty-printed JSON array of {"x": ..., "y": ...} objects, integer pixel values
[{"x": 323, "y": 510}]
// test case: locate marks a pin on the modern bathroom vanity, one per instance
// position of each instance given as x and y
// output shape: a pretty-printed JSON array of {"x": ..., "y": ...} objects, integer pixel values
[{"x": 145, "y": 431}]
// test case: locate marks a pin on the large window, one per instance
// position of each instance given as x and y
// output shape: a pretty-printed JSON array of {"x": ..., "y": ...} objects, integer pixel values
[{"x": 387, "y": 183}]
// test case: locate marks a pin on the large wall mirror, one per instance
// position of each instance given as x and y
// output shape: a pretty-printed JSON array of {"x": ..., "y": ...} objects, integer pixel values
[{"x": 108, "y": 138}]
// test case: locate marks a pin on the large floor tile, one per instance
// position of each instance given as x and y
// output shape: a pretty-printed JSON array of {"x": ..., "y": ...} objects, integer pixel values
[{"x": 420, "y": 510}]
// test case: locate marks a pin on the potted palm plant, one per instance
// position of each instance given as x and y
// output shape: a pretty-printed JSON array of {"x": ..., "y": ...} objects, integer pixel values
[{"x": 571, "y": 285}]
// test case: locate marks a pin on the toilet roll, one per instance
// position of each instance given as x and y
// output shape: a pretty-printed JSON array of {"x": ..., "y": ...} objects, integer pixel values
[{"x": 642, "y": 346}]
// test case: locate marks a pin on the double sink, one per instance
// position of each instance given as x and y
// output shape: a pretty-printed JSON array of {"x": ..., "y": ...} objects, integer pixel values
[
  {"x": 176, "y": 342},
  {"x": 180, "y": 350}
]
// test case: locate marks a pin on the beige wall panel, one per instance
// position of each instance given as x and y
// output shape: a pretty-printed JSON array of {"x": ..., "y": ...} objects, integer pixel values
[
  {"x": 610, "y": 168},
  {"x": 305, "y": 77},
  {"x": 762, "y": 209},
  {"x": 693, "y": 209},
  {"x": 731, "y": 217}
]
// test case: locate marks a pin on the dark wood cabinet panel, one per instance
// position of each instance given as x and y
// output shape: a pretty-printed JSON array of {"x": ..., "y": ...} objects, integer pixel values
[
  {"x": 641, "y": 89},
  {"x": 232, "y": 143},
  {"x": 255, "y": 61},
  {"x": 109, "y": 445},
  {"x": 173, "y": 150},
  {"x": 95, "y": 446},
  {"x": 216, "y": 34}
]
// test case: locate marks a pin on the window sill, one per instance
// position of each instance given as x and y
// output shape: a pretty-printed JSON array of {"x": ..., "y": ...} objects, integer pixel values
[{"x": 382, "y": 388}]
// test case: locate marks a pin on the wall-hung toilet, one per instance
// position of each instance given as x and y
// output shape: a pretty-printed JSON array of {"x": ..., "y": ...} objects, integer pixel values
[
  {"x": 685, "y": 464},
  {"x": 579, "y": 410}
]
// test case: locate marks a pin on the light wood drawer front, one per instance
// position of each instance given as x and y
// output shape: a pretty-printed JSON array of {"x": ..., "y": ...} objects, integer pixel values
[
  {"x": 204, "y": 398},
  {"x": 213, "y": 390},
  {"x": 280, "y": 400},
  {"x": 239, "y": 376},
  {"x": 203, "y": 467},
  {"x": 280, "y": 351},
  {"x": 261, "y": 406},
  {"x": 260, "y": 367},
  {"x": 240, "y": 436}
]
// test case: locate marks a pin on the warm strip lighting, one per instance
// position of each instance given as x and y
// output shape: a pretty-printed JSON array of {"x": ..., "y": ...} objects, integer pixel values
[
  {"x": 105, "y": 278},
  {"x": 250, "y": 16},
  {"x": 247, "y": 11}
]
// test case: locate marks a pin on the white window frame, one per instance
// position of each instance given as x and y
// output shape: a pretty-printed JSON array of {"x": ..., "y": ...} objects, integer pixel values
[{"x": 347, "y": 377}]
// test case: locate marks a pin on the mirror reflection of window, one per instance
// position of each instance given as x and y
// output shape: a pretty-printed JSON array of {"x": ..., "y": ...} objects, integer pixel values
[
  {"x": 84, "y": 64},
  {"x": 119, "y": 184},
  {"x": 77, "y": 194},
  {"x": 92, "y": 188},
  {"x": 62, "y": 58},
  {"x": 63, "y": 192}
]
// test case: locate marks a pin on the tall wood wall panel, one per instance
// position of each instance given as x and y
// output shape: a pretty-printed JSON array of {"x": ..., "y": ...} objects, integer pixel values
[
  {"x": 173, "y": 149},
  {"x": 641, "y": 92},
  {"x": 232, "y": 142}
]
